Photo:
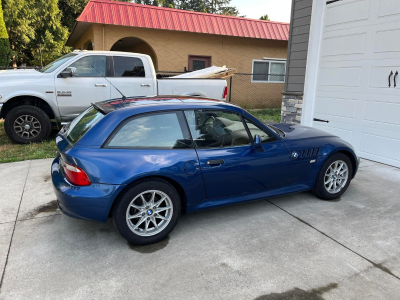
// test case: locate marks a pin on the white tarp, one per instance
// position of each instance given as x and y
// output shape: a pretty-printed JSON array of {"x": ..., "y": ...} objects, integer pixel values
[{"x": 204, "y": 73}]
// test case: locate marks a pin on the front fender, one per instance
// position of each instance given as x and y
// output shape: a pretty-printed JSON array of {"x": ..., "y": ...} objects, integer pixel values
[
  {"x": 344, "y": 147},
  {"x": 30, "y": 93}
]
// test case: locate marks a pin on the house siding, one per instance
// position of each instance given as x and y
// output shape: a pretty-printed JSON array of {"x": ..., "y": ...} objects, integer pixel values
[{"x": 298, "y": 45}]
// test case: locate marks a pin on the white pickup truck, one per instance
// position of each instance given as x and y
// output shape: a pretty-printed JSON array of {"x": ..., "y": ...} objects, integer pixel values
[{"x": 32, "y": 102}]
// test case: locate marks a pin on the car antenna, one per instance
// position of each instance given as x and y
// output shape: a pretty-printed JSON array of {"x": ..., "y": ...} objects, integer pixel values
[{"x": 123, "y": 96}]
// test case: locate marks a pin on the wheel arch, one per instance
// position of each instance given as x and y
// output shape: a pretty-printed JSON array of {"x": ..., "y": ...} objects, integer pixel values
[
  {"x": 351, "y": 156},
  {"x": 352, "y": 159},
  {"x": 174, "y": 183},
  {"x": 28, "y": 100}
]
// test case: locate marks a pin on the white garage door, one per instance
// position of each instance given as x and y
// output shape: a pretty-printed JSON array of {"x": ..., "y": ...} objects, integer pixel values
[{"x": 360, "y": 57}]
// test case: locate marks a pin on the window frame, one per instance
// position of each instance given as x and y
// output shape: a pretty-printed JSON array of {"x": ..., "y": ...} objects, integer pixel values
[
  {"x": 85, "y": 56},
  {"x": 269, "y": 61},
  {"x": 112, "y": 67},
  {"x": 193, "y": 57},
  {"x": 259, "y": 127},
  {"x": 181, "y": 120},
  {"x": 219, "y": 110}
]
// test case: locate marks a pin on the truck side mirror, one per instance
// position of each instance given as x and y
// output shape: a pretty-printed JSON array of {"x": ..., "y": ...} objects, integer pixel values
[{"x": 68, "y": 72}]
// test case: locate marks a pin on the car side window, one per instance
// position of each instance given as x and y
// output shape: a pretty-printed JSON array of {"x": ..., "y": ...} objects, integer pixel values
[
  {"x": 216, "y": 129},
  {"x": 128, "y": 67},
  {"x": 84, "y": 66},
  {"x": 254, "y": 129},
  {"x": 152, "y": 131}
]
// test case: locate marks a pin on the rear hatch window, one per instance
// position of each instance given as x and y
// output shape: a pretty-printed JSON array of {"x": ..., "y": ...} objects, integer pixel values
[{"x": 82, "y": 124}]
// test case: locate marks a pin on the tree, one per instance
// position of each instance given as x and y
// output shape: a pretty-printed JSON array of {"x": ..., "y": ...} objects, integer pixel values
[
  {"x": 5, "y": 51},
  {"x": 265, "y": 17},
  {"x": 71, "y": 9},
  {"x": 220, "y": 7}
]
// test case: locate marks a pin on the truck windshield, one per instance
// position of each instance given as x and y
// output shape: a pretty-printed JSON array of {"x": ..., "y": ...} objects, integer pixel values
[
  {"x": 58, "y": 62},
  {"x": 82, "y": 124}
]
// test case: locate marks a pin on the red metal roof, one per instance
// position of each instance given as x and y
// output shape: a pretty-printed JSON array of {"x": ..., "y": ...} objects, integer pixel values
[{"x": 148, "y": 16}]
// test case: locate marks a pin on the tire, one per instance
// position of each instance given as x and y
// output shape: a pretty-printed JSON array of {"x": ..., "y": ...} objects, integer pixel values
[
  {"x": 330, "y": 191},
  {"x": 166, "y": 219},
  {"x": 37, "y": 122}
]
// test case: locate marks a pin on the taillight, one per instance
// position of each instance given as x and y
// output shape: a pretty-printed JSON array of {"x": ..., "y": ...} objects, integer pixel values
[
  {"x": 76, "y": 175},
  {"x": 225, "y": 93}
]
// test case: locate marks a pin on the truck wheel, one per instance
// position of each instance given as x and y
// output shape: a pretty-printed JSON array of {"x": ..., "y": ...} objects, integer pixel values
[{"x": 27, "y": 124}]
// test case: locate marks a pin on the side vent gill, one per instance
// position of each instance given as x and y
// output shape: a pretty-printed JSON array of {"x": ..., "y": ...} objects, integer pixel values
[{"x": 309, "y": 152}]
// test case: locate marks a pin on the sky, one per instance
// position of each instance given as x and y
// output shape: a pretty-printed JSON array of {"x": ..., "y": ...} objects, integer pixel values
[{"x": 277, "y": 10}]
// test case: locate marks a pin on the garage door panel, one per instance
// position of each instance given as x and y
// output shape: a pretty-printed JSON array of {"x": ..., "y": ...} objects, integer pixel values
[
  {"x": 389, "y": 8},
  {"x": 387, "y": 41},
  {"x": 379, "y": 76},
  {"x": 346, "y": 77},
  {"x": 343, "y": 108},
  {"x": 344, "y": 45},
  {"x": 380, "y": 146},
  {"x": 382, "y": 112},
  {"x": 348, "y": 12}
]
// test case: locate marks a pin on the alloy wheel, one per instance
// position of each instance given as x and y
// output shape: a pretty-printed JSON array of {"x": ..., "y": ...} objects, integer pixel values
[
  {"x": 336, "y": 177},
  {"x": 27, "y": 127},
  {"x": 149, "y": 213}
]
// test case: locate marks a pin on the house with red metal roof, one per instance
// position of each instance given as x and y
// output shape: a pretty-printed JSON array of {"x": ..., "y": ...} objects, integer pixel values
[{"x": 179, "y": 40}]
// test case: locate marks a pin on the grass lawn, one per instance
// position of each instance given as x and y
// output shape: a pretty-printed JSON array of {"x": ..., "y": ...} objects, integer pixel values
[
  {"x": 10, "y": 152},
  {"x": 270, "y": 115}
]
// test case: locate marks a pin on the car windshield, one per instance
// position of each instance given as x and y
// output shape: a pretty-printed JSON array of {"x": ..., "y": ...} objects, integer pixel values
[
  {"x": 58, "y": 62},
  {"x": 82, "y": 124}
]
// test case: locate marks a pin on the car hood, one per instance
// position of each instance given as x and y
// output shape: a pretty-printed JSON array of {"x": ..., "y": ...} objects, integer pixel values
[
  {"x": 296, "y": 132},
  {"x": 19, "y": 75}
]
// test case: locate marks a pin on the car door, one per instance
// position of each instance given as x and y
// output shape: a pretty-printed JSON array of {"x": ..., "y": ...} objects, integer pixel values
[
  {"x": 133, "y": 77},
  {"x": 75, "y": 94},
  {"x": 230, "y": 165}
]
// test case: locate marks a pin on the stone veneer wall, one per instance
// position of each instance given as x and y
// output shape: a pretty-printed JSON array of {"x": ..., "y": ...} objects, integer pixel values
[{"x": 292, "y": 106}]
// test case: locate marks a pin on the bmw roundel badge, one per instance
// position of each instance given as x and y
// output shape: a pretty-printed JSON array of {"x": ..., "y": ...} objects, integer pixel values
[{"x": 295, "y": 155}]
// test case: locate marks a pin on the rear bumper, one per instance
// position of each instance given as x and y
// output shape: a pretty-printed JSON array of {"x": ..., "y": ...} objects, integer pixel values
[{"x": 83, "y": 202}]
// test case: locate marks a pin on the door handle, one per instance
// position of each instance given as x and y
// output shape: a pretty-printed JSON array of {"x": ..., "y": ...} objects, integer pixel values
[
  {"x": 395, "y": 75},
  {"x": 390, "y": 75},
  {"x": 143, "y": 84},
  {"x": 100, "y": 85},
  {"x": 215, "y": 162},
  {"x": 319, "y": 120}
]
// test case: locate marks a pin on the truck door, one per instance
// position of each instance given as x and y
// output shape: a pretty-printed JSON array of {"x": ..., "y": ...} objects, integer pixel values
[
  {"x": 133, "y": 76},
  {"x": 75, "y": 94}
]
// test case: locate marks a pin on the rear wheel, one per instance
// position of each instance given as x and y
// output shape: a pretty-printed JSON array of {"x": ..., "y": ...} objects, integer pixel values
[
  {"x": 27, "y": 124},
  {"x": 334, "y": 177},
  {"x": 147, "y": 212}
]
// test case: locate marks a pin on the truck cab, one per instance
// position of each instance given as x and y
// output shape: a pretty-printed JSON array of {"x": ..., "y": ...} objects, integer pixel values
[{"x": 33, "y": 101}]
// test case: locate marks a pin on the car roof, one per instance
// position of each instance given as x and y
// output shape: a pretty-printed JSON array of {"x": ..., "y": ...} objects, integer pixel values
[{"x": 177, "y": 101}]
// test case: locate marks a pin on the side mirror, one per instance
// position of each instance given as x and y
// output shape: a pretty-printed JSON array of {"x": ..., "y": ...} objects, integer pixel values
[
  {"x": 68, "y": 72},
  {"x": 258, "y": 143}
]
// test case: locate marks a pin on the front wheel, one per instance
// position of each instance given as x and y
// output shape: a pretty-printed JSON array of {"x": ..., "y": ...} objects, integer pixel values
[
  {"x": 147, "y": 212},
  {"x": 27, "y": 124},
  {"x": 334, "y": 177}
]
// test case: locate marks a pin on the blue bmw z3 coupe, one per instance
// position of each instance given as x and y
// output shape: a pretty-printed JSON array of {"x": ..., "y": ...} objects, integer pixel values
[{"x": 144, "y": 161}]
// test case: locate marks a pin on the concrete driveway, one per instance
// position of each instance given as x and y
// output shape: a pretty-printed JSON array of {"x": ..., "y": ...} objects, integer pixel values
[{"x": 290, "y": 247}]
